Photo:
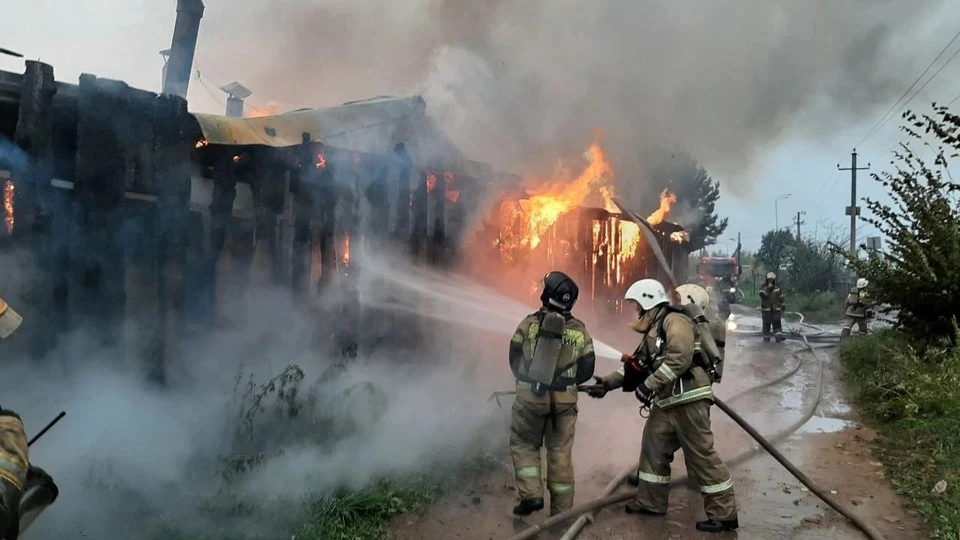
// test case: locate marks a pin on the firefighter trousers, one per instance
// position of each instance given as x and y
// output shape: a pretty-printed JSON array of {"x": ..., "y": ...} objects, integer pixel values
[
  {"x": 531, "y": 428},
  {"x": 861, "y": 323},
  {"x": 771, "y": 319},
  {"x": 684, "y": 427}
]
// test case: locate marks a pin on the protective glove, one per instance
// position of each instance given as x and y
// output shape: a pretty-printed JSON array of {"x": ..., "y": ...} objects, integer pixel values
[
  {"x": 644, "y": 394},
  {"x": 598, "y": 390}
]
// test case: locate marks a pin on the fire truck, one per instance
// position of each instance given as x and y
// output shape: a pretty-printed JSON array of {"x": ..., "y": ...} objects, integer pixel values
[
  {"x": 719, "y": 276},
  {"x": 713, "y": 269}
]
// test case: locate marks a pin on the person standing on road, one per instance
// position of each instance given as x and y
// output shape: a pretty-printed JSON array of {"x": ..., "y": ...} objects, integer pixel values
[
  {"x": 681, "y": 396},
  {"x": 771, "y": 308},
  {"x": 859, "y": 309},
  {"x": 550, "y": 354}
]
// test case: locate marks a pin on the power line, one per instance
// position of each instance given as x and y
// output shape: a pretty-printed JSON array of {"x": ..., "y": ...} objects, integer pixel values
[{"x": 885, "y": 117}]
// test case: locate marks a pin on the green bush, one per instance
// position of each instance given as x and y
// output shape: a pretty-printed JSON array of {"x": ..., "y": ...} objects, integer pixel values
[
  {"x": 919, "y": 272},
  {"x": 909, "y": 394}
]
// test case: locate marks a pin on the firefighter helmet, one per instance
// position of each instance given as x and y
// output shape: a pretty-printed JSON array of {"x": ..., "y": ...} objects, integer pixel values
[
  {"x": 692, "y": 293},
  {"x": 649, "y": 293},
  {"x": 862, "y": 283},
  {"x": 559, "y": 291}
]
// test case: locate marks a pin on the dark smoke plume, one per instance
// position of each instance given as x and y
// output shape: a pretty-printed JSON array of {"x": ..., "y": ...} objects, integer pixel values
[{"x": 519, "y": 83}]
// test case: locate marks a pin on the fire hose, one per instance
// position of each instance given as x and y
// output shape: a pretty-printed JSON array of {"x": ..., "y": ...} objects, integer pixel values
[{"x": 583, "y": 512}]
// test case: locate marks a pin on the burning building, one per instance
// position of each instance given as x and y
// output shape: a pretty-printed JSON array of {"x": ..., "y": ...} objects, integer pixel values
[{"x": 577, "y": 225}]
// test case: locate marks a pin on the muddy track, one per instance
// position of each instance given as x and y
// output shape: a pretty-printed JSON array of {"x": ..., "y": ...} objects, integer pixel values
[{"x": 831, "y": 449}]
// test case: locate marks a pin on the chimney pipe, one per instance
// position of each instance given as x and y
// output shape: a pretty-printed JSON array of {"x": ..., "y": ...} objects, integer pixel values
[{"x": 184, "y": 44}]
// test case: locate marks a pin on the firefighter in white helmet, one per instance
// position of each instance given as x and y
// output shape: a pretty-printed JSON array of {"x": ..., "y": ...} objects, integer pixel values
[
  {"x": 17, "y": 477},
  {"x": 663, "y": 371},
  {"x": 859, "y": 309}
]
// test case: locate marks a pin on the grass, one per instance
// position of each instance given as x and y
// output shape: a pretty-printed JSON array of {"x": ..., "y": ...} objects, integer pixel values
[
  {"x": 912, "y": 398},
  {"x": 822, "y": 307},
  {"x": 365, "y": 514}
]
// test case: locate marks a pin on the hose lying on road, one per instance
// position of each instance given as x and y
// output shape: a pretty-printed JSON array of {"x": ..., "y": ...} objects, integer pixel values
[
  {"x": 611, "y": 498},
  {"x": 581, "y": 521}
]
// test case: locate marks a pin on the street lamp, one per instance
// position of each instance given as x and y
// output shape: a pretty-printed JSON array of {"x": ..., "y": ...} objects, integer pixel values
[{"x": 776, "y": 210}]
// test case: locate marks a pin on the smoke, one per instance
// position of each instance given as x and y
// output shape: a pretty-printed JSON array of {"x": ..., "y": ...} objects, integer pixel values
[{"x": 518, "y": 82}]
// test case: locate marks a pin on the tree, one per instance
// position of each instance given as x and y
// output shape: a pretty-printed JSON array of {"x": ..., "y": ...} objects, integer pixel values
[
  {"x": 697, "y": 194},
  {"x": 774, "y": 249},
  {"x": 919, "y": 273},
  {"x": 814, "y": 267}
]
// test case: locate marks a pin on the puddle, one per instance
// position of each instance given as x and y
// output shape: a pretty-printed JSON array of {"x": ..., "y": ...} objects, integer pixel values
[{"x": 819, "y": 424}]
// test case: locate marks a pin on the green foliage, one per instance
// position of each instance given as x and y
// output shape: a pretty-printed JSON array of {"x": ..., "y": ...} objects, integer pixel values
[
  {"x": 910, "y": 395},
  {"x": 814, "y": 267},
  {"x": 774, "y": 250},
  {"x": 919, "y": 273},
  {"x": 697, "y": 196}
]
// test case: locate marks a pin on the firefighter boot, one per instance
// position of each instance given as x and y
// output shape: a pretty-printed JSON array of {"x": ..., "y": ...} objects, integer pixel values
[
  {"x": 717, "y": 526},
  {"x": 634, "y": 508},
  {"x": 528, "y": 506}
]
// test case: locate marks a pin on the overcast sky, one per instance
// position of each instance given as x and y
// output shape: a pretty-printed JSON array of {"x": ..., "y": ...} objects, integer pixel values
[{"x": 768, "y": 95}]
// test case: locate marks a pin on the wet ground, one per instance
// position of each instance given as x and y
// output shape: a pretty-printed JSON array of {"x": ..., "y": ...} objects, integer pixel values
[{"x": 832, "y": 449}]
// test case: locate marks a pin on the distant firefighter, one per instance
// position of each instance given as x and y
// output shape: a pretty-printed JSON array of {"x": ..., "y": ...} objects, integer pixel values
[
  {"x": 550, "y": 354},
  {"x": 771, "y": 307},
  {"x": 859, "y": 308}
]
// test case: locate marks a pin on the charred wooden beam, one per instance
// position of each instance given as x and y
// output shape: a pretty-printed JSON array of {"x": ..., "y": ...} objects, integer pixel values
[
  {"x": 37, "y": 208},
  {"x": 418, "y": 235},
  {"x": 102, "y": 131},
  {"x": 438, "y": 241},
  {"x": 401, "y": 229},
  {"x": 269, "y": 189},
  {"x": 326, "y": 191},
  {"x": 303, "y": 211},
  {"x": 171, "y": 167}
]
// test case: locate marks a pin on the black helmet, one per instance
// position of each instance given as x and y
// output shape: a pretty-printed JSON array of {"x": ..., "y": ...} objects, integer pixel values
[{"x": 559, "y": 291}]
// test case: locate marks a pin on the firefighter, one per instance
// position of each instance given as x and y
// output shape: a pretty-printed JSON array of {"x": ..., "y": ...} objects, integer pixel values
[
  {"x": 681, "y": 396},
  {"x": 550, "y": 354},
  {"x": 859, "y": 309},
  {"x": 17, "y": 476},
  {"x": 771, "y": 308}
]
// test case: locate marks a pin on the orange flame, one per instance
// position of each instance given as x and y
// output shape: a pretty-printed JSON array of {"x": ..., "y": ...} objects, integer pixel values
[
  {"x": 679, "y": 236},
  {"x": 8, "y": 192},
  {"x": 321, "y": 161},
  {"x": 431, "y": 182},
  {"x": 667, "y": 198},
  {"x": 270, "y": 109},
  {"x": 629, "y": 231},
  {"x": 202, "y": 143},
  {"x": 346, "y": 250},
  {"x": 550, "y": 202},
  {"x": 452, "y": 194}
]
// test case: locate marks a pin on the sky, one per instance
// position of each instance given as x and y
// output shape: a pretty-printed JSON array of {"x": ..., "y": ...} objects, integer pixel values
[{"x": 769, "y": 96}]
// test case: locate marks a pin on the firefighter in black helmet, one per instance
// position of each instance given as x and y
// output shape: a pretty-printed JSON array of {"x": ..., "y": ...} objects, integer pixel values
[{"x": 550, "y": 354}]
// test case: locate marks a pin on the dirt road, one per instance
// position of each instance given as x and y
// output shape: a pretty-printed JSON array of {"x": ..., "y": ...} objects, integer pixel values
[{"x": 832, "y": 449}]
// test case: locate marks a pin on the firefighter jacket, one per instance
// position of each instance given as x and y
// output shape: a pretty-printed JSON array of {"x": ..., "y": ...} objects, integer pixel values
[
  {"x": 575, "y": 366},
  {"x": 858, "y": 303},
  {"x": 14, "y": 455},
  {"x": 771, "y": 298},
  {"x": 670, "y": 342}
]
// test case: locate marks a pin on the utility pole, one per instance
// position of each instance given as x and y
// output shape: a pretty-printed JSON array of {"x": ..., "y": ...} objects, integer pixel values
[
  {"x": 853, "y": 210},
  {"x": 798, "y": 222}
]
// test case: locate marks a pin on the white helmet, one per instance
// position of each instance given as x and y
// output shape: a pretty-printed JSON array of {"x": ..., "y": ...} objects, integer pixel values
[
  {"x": 771, "y": 275},
  {"x": 862, "y": 283},
  {"x": 649, "y": 293},
  {"x": 693, "y": 294}
]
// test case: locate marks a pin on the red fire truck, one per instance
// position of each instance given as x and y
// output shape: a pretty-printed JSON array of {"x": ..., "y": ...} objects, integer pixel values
[{"x": 713, "y": 269}]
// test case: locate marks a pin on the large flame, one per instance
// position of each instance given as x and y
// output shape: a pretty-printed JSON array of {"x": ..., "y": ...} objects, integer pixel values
[
  {"x": 553, "y": 200},
  {"x": 667, "y": 198},
  {"x": 8, "y": 192},
  {"x": 629, "y": 231}
]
